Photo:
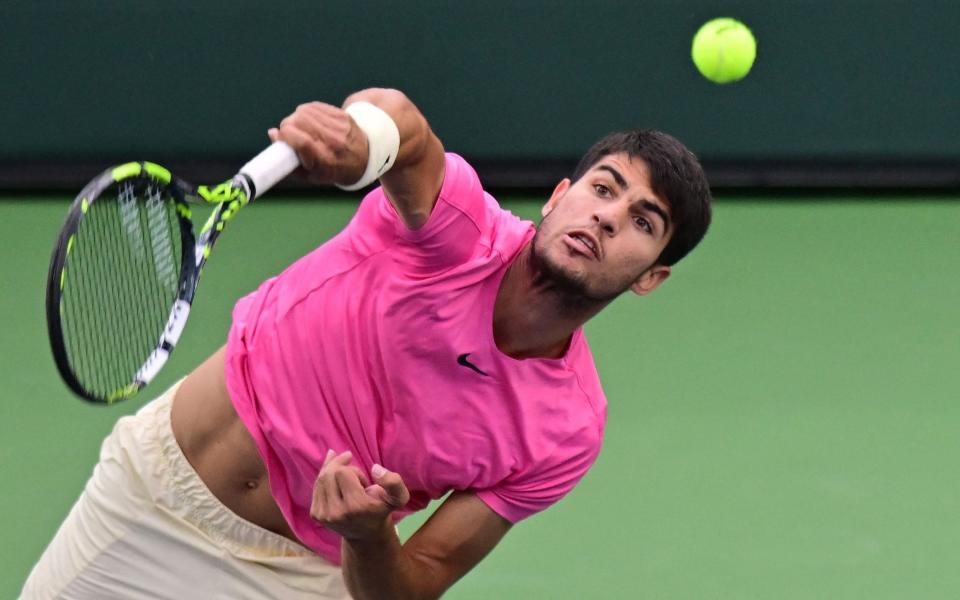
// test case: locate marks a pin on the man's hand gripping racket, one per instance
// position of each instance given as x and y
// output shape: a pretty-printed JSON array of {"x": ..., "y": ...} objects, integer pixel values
[{"x": 126, "y": 265}]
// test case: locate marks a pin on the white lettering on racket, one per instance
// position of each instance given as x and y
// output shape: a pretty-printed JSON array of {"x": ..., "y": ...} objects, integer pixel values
[
  {"x": 176, "y": 322},
  {"x": 170, "y": 336},
  {"x": 152, "y": 366}
]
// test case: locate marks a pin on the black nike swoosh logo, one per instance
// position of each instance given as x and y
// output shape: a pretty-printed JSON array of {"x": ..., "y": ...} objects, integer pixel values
[{"x": 462, "y": 360}]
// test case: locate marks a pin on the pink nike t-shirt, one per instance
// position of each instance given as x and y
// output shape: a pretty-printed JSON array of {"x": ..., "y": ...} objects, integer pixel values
[{"x": 380, "y": 342}]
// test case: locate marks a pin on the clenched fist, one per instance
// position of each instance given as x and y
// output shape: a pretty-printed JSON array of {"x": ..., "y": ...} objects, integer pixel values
[
  {"x": 332, "y": 149},
  {"x": 346, "y": 501}
]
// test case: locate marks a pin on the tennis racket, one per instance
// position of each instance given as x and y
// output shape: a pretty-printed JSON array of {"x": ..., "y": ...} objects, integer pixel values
[{"x": 126, "y": 265}]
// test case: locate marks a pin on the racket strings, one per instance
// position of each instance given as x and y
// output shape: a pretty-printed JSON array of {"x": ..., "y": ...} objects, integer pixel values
[{"x": 122, "y": 277}]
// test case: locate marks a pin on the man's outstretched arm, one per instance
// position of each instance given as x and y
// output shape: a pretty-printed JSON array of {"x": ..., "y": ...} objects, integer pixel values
[
  {"x": 375, "y": 564},
  {"x": 334, "y": 150}
]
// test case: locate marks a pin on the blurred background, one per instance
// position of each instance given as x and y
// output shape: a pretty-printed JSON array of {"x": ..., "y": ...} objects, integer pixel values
[{"x": 782, "y": 413}]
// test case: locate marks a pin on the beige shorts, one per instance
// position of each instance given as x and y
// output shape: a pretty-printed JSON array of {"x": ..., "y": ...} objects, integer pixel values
[{"x": 146, "y": 526}]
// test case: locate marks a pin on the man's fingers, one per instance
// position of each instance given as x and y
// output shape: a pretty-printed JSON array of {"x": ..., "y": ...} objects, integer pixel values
[
  {"x": 327, "y": 482},
  {"x": 331, "y": 148},
  {"x": 379, "y": 494},
  {"x": 332, "y": 126},
  {"x": 343, "y": 491},
  {"x": 350, "y": 487},
  {"x": 388, "y": 500},
  {"x": 326, "y": 126},
  {"x": 320, "y": 506},
  {"x": 328, "y": 457},
  {"x": 361, "y": 476},
  {"x": 394, "y": 491},
  {"x": 300, "y": 141},
  {"x": 331, "y": 458},
  {"x": 341, "y": 459}
]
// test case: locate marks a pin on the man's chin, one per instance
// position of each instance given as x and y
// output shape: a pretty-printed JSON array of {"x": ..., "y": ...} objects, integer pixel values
[
  {"x": 565, "y": 279},
  {"x": 570, "y": 283},
  {"x": 566, "y": 282}
]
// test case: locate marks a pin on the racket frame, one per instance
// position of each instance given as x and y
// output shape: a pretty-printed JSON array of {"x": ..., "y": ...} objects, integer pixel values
[
  {"x": 59, "y": 267},
  {"x": 254, "y": 178}
]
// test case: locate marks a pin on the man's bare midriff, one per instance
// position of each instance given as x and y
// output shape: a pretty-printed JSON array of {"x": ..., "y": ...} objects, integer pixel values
[{"x": 218, "y": 445}]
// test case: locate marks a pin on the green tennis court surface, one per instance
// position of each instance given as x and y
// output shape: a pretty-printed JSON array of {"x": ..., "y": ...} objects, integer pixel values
[{"x": 782, "y": 413}]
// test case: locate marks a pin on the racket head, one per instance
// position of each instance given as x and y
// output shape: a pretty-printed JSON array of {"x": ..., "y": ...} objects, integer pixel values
[{"x": 121, "y": 274}]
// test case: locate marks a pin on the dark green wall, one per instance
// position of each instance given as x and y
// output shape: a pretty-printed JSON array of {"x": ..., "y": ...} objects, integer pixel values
[{"x": 498, "y": 79}]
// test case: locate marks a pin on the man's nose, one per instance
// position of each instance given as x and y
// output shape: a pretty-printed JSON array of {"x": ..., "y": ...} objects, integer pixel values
[{"x": 607, "y": 218}]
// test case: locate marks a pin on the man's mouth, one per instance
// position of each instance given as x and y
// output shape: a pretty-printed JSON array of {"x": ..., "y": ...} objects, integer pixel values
[{"x": 584, "y": 243}]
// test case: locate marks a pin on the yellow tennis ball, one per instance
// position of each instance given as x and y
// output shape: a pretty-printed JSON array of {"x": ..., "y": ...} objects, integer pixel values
[{"x": 724, "y": 50}]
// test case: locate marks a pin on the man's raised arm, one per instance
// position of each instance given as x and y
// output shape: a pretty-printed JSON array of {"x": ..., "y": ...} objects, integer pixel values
[{"x": 335, "y": 145}]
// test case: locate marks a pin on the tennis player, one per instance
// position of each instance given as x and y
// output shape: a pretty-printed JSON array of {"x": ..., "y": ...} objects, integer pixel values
[{"x": 435, "y": 345}]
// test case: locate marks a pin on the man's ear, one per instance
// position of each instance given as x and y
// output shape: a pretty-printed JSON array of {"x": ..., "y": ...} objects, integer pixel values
[
  {"x": 558, "y": 191},
  {"x": 650, "y": 280}
]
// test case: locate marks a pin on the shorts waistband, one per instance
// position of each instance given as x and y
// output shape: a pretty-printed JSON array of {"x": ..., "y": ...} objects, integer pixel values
[{"x": 187, "y": 496}]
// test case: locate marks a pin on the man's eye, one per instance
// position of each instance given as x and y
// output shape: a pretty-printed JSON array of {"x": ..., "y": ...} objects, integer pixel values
[
  {"x": 644, "y": 224},
  {"x": 602, "y": 189}
]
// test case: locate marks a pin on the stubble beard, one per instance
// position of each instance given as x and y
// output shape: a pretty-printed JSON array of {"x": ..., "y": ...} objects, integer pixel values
[{"x": 572, "y": 290}]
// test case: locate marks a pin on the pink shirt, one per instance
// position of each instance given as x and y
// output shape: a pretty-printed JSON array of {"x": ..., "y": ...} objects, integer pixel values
[{"x": 380, "y": 342}]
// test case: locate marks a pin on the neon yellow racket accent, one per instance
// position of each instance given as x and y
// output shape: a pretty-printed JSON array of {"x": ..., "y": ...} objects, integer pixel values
[
  {"x": 120, "y": 394},
  {"x": 130, "y": 169},
  {"x": 157, "y": 172},
  {"x": 222, "y": 193}
]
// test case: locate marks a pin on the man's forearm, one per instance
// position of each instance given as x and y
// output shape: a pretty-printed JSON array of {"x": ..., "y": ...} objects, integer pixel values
[{"x": 379, "y": 568}]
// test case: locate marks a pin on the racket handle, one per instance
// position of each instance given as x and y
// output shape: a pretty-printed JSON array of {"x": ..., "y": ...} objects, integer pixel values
[{"x": 270, "y": 166}]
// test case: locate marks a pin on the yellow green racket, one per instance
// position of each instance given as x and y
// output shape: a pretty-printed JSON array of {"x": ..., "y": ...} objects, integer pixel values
[{"x": 126, "y": 265}]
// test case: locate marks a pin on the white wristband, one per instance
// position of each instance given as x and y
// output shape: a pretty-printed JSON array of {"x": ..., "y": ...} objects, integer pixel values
[{"x": 383, "y": 142}]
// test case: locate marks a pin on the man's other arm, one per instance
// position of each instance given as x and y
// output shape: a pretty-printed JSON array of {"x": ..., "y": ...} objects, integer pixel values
[{"x": 376, "y": 565}]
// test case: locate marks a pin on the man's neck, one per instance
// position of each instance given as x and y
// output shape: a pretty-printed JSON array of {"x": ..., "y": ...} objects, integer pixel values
[{"x": 531, "y": 317}]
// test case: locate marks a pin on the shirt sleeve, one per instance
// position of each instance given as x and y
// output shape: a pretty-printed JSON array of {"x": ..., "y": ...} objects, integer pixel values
[
  {"x": 533, "y": 490},
  {"x": 452, "y": 234}
]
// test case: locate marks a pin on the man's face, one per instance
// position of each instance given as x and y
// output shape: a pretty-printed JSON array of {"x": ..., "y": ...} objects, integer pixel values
[{"x": 602, "y": 235}]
